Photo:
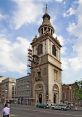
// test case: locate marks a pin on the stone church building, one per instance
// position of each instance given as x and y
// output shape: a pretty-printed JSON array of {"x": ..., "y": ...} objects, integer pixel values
[{"x": 46, "y": 68}]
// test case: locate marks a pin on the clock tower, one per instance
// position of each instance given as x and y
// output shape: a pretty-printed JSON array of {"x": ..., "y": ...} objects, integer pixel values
[{"x": 46, "y": 68}]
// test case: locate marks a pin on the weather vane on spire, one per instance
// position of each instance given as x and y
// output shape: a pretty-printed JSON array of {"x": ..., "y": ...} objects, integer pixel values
[{"x": 46, "y": 9}]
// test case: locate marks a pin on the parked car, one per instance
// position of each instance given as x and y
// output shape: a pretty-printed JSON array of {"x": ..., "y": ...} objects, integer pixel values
[
  {"x": 60, "y": 107},
  {"x": 65, "y": 107},
  {"x": 56, "y": 107},
  {"x": 41, "y": 105}
]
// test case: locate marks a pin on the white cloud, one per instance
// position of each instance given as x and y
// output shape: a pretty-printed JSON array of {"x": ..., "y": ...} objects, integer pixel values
[
  {"x": 65, "y": 63},
  {"x": 2, "y": 16},
  {"x": 62, "y": 42},
  {"x": 26, "y": 12},
  {"x": 69, "y": 12},
  {"x": 71, "y": 27},
  {"x": 61, "y": 39},
  {"x": 46, "y": 1},
  {"x": 59, "y": 0},
  {"x": 72, "y": 69},
  {"x": 13, "y": 55},
  {"x": 76, "y": 30},
  {"x": 73, "y": 65}
]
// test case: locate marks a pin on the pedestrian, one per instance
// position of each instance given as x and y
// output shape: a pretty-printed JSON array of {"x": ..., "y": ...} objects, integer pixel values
[
  {"x": 76, "y": 106},
  {"x": 6, "y": 111}
]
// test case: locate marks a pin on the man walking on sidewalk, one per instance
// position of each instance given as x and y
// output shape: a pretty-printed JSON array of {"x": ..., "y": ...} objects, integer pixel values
[{"x": 6, "y": 111}]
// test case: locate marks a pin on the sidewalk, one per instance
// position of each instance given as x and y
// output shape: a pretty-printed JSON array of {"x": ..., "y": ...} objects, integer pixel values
[{"x": 77, "y": 109}]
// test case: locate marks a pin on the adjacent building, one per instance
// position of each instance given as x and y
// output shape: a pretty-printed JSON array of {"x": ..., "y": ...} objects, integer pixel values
[
  {"x": 1, "y": 78},
  {"x": 8, "y": 89},
  {"x": 68, "y": 93},
  {"x": 71, "y": 93},
  {"x": 23, "y": 90}
]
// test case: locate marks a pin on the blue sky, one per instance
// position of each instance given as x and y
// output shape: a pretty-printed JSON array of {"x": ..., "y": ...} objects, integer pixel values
[{"x": 19, "y": 23}]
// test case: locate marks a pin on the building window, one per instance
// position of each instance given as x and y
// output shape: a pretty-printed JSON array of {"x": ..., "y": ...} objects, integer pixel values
[
  {"x": 13, "y": 91},
  {"x": 39, "y": 74},
  {"x": 48, "y": 29},
  {"x": 38, "y": 77},
  {"x": 40, "y": 49},
  {"x": 45, "y": 28},
  {"x": 55, "y": 75},
  {"x": 53, "y": 50},
  {"x": 51, "y": 32},
  {"x": 42, "y": 30}
]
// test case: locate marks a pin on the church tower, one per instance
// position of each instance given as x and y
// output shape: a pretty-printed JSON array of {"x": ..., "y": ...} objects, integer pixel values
[{"x": 46, "y": 68}]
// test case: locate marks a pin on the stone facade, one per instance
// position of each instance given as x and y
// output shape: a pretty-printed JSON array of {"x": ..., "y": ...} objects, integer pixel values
[
  {"x": 67, "y": 93},
  {"x": 1, "y": 78},
  {"x": 46, "y": 75},
  {"x": 8, "y": 89},
  {"x": 23, "y": 90}
]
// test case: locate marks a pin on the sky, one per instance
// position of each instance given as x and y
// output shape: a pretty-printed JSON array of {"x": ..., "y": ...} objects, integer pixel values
[{"x": 19, "y": 23}]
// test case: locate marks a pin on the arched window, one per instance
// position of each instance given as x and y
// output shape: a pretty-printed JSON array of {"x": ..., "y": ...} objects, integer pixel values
[
  {"x": 53, "y": 50},
  {"x": 40, "y": 49},
  {"x": 42, "y": 31}
]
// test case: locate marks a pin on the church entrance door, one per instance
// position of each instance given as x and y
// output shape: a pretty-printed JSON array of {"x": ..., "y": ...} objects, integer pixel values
[
  {"x": 54, "y": 98},
  {"x": 40, "y": 98}
]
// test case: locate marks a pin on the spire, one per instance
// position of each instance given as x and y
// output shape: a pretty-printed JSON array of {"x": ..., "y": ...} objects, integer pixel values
[
  {"x": 46, "y": 9},
  {"x": 46, "y": 26},
  {"x": 46, "y": 13}
]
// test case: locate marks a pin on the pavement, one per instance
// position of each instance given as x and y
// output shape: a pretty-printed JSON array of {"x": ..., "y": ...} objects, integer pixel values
[
  {"x": 78, "y": 109},
  {"x": 32, "y": 111}
]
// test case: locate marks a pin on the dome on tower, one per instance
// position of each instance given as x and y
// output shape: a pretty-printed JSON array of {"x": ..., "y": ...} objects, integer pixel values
[{"x": 46, "y": 26}]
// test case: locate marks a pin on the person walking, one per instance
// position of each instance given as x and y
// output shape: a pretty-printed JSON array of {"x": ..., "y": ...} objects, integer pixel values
[{"x": 6, "y": 111}]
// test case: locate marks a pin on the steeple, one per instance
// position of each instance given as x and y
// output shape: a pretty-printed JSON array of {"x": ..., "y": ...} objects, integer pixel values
[
  {"x": 46, "y": 9},
  {"x": 46, "y": 26}
]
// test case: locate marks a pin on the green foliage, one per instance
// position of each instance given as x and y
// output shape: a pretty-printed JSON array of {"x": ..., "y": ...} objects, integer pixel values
[{"x": 78, "y": 90}]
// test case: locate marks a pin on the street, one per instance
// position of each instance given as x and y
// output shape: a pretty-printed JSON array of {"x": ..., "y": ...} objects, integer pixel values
[{"x": 29, "y": 111}]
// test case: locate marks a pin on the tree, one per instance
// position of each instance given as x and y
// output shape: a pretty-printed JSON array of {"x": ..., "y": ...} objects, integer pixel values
[{"x": 78, "y": 90}]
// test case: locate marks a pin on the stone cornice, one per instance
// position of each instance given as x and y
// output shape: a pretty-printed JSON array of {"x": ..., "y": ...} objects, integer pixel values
[{"x": 45, "y": 37}]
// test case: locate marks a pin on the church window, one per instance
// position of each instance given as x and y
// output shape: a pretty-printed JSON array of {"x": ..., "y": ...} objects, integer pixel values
[
  {"x": 40, "y": 49},
  {"x": 45, "y": 28},
  {"x": 51, "y": 32},
  {"x": 55, "y": 75},
  {"x": 38, "y": 77},
  {"x": 42, "y": 30},
  {"x": 48, "y": 29},
  {"x": 53, "y": 50},
  {"x": 39, "y": 74}
]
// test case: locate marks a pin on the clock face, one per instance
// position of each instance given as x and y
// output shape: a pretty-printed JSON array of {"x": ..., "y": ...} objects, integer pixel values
[{"x": 35, "y": 59}]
